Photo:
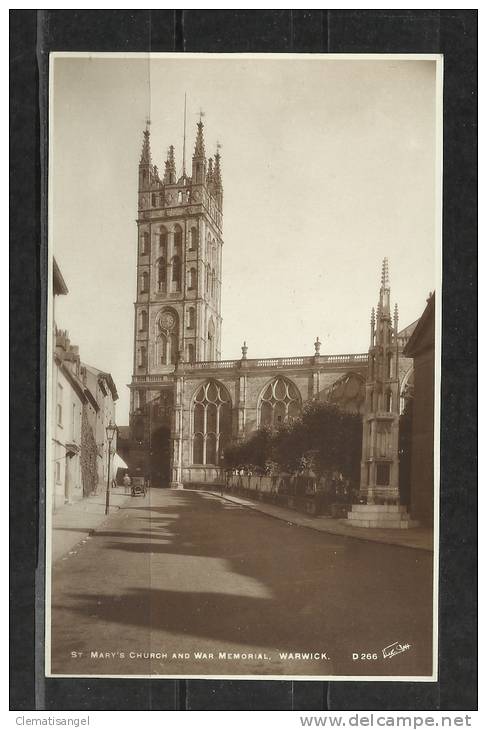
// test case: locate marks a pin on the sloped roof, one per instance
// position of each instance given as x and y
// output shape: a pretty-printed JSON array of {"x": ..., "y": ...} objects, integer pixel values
[{"x": 423, "y": 335}]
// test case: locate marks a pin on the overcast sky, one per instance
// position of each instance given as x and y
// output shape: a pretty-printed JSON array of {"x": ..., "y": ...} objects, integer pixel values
[{"x": 328, "y": 166}]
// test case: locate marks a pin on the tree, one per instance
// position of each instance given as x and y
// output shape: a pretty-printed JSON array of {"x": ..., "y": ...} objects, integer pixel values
[{"x": 323, "y": 439}]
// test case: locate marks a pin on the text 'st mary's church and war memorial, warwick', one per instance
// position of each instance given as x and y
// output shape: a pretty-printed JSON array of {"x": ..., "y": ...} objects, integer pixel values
[{"x": 186, "y": 403}]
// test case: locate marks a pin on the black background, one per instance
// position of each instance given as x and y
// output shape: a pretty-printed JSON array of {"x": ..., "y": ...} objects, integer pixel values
[{"x": 454, "y": 33}]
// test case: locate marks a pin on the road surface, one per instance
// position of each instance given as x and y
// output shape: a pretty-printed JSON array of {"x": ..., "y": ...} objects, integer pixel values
[{"x": 185, "y": 583}]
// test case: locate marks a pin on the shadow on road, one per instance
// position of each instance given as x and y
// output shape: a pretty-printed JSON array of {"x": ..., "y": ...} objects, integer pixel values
[{"x": 219, "y": 573}]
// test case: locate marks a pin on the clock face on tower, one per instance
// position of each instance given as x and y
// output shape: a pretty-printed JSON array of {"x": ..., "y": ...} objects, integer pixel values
[{"x": 166, "y": 321}]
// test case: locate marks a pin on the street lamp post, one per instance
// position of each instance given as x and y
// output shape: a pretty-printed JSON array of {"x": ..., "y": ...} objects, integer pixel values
[{"x": 110, "y": 429}]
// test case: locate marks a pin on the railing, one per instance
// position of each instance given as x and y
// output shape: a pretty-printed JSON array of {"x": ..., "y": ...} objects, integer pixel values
[
  {"x": 278, "y": 362},
  {"x": 268, "y": 362},
  {"x": 212, "y": 364}
]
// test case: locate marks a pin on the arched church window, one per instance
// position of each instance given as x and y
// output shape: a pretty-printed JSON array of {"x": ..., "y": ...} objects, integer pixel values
[
  {"x": 191, "y": 318},
  {"x": 162, "y": 241},
  {"x": 279, "y": 403},
  {"x": 143, "y": 321},
  {"x": 162, "y": 349},
  {"x": 144, "y": 283},
  {"x": 167, "y": 339},
  {"x": 212, "y": 423},
  {"x": 178, "y": 240},
  {"x": 176, "y": 273},
  {"x": 193, "y": 241},
  {"x": 188, "y": 196},
  {"x": 180, "y": 197},
  {"x": 192, "y": 278},
  {"x": 161, "y": 274}
]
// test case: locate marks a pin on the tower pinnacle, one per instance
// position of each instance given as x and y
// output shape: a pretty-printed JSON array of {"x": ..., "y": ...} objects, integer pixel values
[
  {"x": 170, "y": 167},
  {"x": 145, "y": 157},
  {"x": 199, "y": 148},
  {"x": 217, "y": 176},
  {"x": 384, "y": 306}
]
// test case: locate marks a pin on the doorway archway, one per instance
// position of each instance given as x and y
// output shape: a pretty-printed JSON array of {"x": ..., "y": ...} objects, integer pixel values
[{"x": 160, "y": 457}]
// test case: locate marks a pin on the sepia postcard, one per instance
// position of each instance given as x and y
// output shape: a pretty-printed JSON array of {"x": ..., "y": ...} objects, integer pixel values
[{"x": 243, "y": 366}]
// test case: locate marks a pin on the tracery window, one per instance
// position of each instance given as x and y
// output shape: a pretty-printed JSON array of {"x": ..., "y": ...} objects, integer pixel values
[
  {"x": 212, "y": 423},
  {"x": 279, "y": 403}
]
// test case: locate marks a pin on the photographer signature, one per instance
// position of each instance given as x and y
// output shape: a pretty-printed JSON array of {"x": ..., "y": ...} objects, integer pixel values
[{"x": 393, "y": 649}]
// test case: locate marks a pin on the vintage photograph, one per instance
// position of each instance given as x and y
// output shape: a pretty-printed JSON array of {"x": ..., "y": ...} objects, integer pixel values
[{"x": 243, "y": 365}]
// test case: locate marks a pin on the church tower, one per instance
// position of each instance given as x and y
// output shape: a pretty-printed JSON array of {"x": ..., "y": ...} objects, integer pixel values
[
  {"x": 177, "y": 311},
  {"x": 179, "y": 254}
]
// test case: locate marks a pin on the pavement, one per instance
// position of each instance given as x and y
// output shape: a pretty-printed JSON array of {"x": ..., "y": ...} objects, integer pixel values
[
  {"x": 420, "y": 538},
  {"x": 185, "y": 583},
  {"x": 77, "y": 521}
]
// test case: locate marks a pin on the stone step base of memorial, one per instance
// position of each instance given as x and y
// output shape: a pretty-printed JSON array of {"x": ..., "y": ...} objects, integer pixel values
[{"x": 393, "y": 517}]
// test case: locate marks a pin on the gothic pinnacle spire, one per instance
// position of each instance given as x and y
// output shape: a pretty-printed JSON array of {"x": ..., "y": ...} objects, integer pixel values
[
  {"x": 145, "y": 157},
  {"x": 199, "y": 148},
  {"x": 217, "y": 176},
  {"x": 385, "y": 274},
  {"x": 209, "y": 176},
  {"x": 170, "y": 167},
  {"x": 384, "y": 304}
]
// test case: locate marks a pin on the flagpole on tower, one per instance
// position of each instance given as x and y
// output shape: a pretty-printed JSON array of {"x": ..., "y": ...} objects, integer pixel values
[{"x": 184, "y": 138}]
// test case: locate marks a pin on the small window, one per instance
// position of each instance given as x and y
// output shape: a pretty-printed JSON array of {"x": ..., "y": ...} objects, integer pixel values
[
  {"x": 161, "y": 275},
  {"x": 142, "y": 357},
  {"x": 180, "y": 197},
  {"x": 176, "y": 272},
  {"x": 190, "y": 353},
  {"x": 191, "y": 318},
  {"x": 144, "y": 247},
  {"x": 178, "y": 240},
  {"x": 73, "y": 422},
  {"x": 162, "y": 241},
  {"x": 154, "y": 200},
  {"x": 192, "y": 279},
  {"x": 59, "y": 405},
  {"x": 144, "y": 283},
  {"x": 143, "y": 321},
  {"x": 193, "y": 242}
]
